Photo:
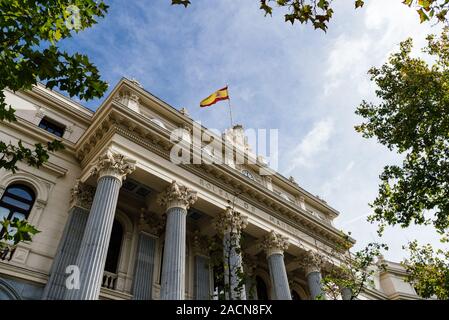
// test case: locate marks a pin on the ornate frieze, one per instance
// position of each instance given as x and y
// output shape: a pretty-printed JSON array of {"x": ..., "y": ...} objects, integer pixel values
[
  {"x": 313, "y": 262},
  {"x": 177, "y": 195},
  {"x": 82, "y": 195},
  {"x": 274, "y": 243},
  {"x": 230, "y": 220},
  {"x": 115, "y": 165}
]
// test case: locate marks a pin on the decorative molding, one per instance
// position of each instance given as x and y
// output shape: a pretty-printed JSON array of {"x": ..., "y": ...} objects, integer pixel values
[
  {"x": 184, "y": 112},
  {"x": 177, "y": 195},
  {"x": 230, "y": 220},
  {"x": 292, "y": 180},
  {"x": 115, "y": 165},
  {"x": 274, "y": 243},
  {"x": 82, "y": 195}
]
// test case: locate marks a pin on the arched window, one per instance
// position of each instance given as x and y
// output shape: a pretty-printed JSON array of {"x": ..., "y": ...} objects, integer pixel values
[
  {"x": 262, "y": 293},
  {"x": 115, "y": 245},
  {"x": 7, "y": 292},
  {"x": 16, "y": 203}
]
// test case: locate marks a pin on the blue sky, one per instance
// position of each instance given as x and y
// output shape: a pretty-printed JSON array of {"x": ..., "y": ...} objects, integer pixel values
[{"x": 304, "y": 82}]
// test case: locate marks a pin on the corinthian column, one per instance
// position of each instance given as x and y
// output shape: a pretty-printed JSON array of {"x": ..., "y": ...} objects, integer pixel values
[
  {"x": 81, "y": 201},
  {"x": 230, "y": 224},
  {"x": 312, "y": 264},
  {"x": 274, "y": 245},
  {"x": 176, "y": 199},
  {"x": 111, "y": 169}
]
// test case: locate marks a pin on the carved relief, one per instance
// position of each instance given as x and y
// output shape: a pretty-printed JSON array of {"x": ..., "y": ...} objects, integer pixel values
[
  {"x": 151, "y": 222},
  {"x": 82, "y": 195},
  {"x": 177, "y": 196},
  {"x": 313, "y": 262},
  {"x": 230, "y": 220},
  {"x": 115, "y": 165},
  {"x": 274, "y": 243}
]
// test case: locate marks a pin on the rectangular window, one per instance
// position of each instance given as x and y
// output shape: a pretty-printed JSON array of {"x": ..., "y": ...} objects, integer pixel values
[{"x": 52, "y": 127}]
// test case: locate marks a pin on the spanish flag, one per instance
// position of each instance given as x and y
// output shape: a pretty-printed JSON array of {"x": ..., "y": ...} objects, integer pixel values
[{"x": 219, "y": 95}]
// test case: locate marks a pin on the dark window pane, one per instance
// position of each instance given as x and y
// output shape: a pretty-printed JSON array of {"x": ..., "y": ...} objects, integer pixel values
[
  {"x": 16, "y": 203},
  {"x": 114, "y": 248},
  {"x": 262, "y": 293},
  {"x": 18, "y": 199},
  {"x": 52, "y": 127},
  {"x": 20, "y": 192}
]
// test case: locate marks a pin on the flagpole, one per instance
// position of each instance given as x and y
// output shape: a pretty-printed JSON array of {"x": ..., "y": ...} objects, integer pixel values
[{"x": 229, "y": 105}]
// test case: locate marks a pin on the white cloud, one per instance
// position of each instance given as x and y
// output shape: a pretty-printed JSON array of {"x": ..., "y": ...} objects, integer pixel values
[{"x": 315, "y": 141}]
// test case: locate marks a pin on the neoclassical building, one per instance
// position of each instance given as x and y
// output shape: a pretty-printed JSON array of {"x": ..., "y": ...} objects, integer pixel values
[{"x": 120, "y": 220}]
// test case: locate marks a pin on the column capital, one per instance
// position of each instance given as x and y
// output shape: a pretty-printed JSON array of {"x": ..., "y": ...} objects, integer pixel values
[
  {"x": 115, "y": 165},
  {"x": 313, "y": 261},
  {"x": 150, "y": 222},
  {"x": 274, "y": 243},
  {"x": 177, "y": 195},
  {"x": 82, "y": 195},
  {"x": 230, "y": 220}
]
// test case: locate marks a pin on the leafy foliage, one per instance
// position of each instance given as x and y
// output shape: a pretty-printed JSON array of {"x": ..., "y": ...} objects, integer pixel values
[
  {"x": 319, "y": 12},
  {"x": 355, "y": 272},
  {"x": 428, "y": 270},
  {"x": 223, "y": 265},
  {"x": 29, "y": 53},
  {"x": 413, "y": 119},
  {"x": 429, "y": 9},
  {"x": 12, "y": 233}
]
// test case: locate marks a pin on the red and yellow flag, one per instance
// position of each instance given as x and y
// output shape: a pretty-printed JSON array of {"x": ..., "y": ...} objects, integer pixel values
[{"x": 219, "y": 95}]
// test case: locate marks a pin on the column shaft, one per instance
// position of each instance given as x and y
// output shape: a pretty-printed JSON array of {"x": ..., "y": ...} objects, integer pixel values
[
  {"x": 66, "y": 253},
  {"x": 346, "y": 294},
  {"x": 233, "y": 266},
  {"x": 94, "y": 246},
  {"x": 202, "y": 278},
  {"x": 278, "y": 276},
  {"x": 143, "y": 276},
  {"x": 173, "y": 266},
  {"x": 314, "y": 282}
]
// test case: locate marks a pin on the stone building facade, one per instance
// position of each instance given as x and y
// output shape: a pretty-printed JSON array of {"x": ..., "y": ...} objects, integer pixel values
[{"x": 118, "y": 215}]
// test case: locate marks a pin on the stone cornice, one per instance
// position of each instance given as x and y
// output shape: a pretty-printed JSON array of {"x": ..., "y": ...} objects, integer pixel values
[
  {"x": 177, "y": 195},
  {"x": 59, "y": 102}
]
